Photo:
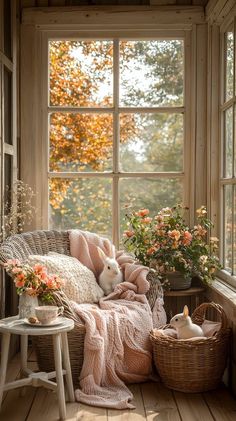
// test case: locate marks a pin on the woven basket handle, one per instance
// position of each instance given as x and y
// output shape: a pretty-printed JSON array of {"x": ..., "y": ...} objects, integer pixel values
[{"x": 199, "y": 315}]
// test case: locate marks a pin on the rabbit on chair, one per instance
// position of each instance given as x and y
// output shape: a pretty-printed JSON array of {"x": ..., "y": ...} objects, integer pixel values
[
  {"x": 111, "y": 274},
  {"x": 186, "y": 329}
]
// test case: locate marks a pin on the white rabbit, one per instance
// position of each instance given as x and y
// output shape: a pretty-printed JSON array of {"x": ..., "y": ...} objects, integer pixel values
[
  {"x": 185, "y": 327},
  {"x": 111, "y": 274}
]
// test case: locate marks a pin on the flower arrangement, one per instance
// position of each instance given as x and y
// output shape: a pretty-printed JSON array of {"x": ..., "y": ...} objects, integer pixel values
[
  {"x": 18, "y": 208},
  {"x": 33, "y": 281},
  {"x": 166, "y": 244}
]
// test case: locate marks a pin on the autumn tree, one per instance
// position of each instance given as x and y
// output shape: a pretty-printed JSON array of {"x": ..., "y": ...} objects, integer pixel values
[{"x": 81, "y": 75}]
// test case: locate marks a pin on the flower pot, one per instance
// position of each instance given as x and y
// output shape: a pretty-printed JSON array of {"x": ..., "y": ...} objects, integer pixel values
[
  {"x": 177, "y": 281},
  {"x": 27, "y": 304}
]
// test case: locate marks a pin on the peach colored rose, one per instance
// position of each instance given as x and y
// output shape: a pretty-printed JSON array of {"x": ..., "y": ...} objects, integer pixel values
[
  {"x": 187, "y": 238},
  {"x": 200, "y": 231},
  {"x": 146, "y": 220},
  {"x": 174, "y": 234}
]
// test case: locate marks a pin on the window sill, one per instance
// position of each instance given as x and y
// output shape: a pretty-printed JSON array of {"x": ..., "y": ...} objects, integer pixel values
[{"x": 225, "y": 295}]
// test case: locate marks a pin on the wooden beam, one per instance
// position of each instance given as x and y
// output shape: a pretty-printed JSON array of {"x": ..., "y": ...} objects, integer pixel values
[
  {"x": 218, "y": 10},
  {"x": 128, "y": 16}
]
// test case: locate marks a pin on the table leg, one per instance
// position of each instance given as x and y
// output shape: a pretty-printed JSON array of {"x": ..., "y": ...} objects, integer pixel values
[
  {"x": 66, "y": 363},
  {"x": 23, "y": 358},
  {"x": 4, "y": 359},
  {"x": 24, "y": 351},
  {"x": 59, "y": 375}
]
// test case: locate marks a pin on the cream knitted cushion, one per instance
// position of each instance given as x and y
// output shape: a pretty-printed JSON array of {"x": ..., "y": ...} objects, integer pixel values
[{"x": 80, "y": 284}]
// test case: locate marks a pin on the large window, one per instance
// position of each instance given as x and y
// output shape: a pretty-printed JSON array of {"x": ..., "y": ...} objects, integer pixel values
[
  {"x": 228, "y": 152},
  {"x": 117, "y": 130}
]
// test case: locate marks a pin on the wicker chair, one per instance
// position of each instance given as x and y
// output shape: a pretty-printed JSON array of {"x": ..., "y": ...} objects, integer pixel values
[{"x": 20, "y": 246}]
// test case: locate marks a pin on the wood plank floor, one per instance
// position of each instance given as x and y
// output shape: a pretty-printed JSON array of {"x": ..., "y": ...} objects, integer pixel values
[{"x": 153, "y": 402}]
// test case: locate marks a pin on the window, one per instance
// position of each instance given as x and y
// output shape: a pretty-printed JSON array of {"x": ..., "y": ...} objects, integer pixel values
[
  {"x": 116, "y": 130},
  {"x": 228, "y": 152}
]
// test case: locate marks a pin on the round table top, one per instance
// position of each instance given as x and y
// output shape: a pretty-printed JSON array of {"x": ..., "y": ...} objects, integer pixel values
[
  {"x": 184, "y": 292},
  {"x": 20, "y": 326}
]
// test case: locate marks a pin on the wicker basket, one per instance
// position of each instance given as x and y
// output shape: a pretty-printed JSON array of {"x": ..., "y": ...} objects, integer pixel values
[
  {"x": 193, "y": 366},
  {"x": 40, "y": 242}
]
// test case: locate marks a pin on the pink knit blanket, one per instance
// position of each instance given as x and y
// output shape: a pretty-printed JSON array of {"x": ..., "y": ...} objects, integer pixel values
[
  {"x": 83, "y": 246},
  {"x": 117, "y": 349}
]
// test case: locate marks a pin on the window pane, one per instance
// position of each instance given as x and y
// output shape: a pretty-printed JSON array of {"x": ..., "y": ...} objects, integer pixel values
[
  {"x": 7, "y": 27},
  {"x": 228, "y": 228},
  {"x": 151, "y": 72},
  {"x": 228, "y": 164},
  {"x": 7, "y": 106},
  {"x": 151, "y": 142},
  {"x": 80, "y": 142},
  {"x": 82, "y": 203},
  {"x": 229, "y": 77},
  {"x": 234, "y": 245},
  {"x": 81, "y": 73},
  {"x": 7, "y": 179},
  {"x": 150, "y": 193}
]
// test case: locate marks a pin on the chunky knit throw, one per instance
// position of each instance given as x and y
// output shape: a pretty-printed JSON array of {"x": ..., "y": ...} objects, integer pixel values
[{"x": 117, "y": 349}]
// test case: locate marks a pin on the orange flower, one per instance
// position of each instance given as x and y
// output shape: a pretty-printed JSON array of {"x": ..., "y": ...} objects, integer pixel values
[
  {"x": 128, "y": 233},
  {"x": 187, "y": 238},
  {"x": 143, "y": 212},
  {"x": 174, "y": 234},
  {"x": 151, "y": 250},
  {"x": 19, "y": 283}
]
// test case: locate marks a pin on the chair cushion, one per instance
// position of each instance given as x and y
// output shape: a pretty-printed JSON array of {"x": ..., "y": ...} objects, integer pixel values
[{"x": 80, "y": 284}]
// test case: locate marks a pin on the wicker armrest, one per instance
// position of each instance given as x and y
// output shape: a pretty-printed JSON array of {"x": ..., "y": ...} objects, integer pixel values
[
  {"x": 60, "y": 299},
  {"x": 155, "y": 291}
]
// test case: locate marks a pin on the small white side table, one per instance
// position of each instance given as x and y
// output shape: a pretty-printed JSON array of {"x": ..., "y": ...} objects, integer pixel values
[{"x": 14, "y": 325}]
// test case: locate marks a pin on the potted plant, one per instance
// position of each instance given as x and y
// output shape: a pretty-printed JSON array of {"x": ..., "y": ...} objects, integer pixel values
[{"x": 166, "y": 244}]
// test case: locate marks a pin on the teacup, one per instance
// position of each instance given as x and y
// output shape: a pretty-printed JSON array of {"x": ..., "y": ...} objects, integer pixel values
[{"x": 47, "y": 314}]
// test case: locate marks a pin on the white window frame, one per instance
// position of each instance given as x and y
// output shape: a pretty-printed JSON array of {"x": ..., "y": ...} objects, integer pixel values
[
  {"x": 116, "y": 174},
  {"x": 113, "y": 22},
  {"x": 224, "y": 181}
]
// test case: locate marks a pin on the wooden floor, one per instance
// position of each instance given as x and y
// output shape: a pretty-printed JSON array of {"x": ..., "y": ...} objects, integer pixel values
[{"x": 153, "y": 403}]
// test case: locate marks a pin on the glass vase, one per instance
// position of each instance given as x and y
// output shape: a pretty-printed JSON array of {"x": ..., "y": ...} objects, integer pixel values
[{"x": 27, "y": 304}]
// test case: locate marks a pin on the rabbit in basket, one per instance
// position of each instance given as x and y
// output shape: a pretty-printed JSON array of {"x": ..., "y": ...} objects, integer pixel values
[
  {"x": 186, "y": 329},
  {"x": 111, "y": 274}
]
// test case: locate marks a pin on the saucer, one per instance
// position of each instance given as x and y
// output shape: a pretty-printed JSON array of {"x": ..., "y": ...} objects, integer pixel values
[{"x": 55, "y": 322}]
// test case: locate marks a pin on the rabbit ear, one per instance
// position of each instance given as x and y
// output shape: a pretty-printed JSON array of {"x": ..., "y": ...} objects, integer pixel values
[
  {"x": 101, "y": 254},
  {"x": 185, "y": 312},
  {"x": 113, "y": 252}
]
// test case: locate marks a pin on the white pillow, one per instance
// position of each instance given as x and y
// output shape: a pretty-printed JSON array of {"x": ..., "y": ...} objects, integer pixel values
[{"x": 80, "y": 284}]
